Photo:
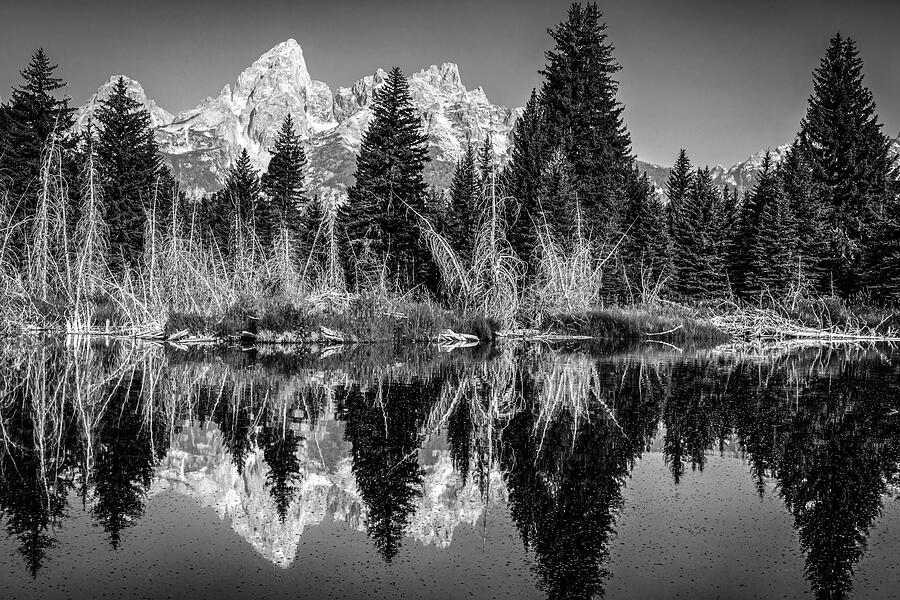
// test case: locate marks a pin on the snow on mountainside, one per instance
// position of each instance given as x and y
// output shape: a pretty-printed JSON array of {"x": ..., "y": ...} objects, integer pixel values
[
  {"x": 158, "y": 116},
  {"x": 201, "y": 143}
]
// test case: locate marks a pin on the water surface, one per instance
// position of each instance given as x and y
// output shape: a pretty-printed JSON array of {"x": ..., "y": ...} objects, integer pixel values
[{"x": 139, "y": 471}]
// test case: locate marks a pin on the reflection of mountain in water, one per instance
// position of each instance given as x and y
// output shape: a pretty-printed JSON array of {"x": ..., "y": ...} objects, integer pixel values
[
  {"x": 407, "y": 444},
  {"x": 198, "y": 465}
]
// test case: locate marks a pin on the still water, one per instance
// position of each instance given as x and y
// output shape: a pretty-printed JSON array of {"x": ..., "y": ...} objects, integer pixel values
[{"x": 137, "y": 471}]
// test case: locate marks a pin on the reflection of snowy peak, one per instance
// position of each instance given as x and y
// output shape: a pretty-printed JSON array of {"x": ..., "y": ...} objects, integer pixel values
[
  {"x": 199, "y": 466},
  {"x": 201, "y": 143}
]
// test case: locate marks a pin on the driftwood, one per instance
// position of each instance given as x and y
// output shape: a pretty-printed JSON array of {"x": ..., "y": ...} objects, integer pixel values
[
  {"x": 768, "y": 326},
  {"x": 330, "y": 335},
  {"x": 535, "y": 335},
  {"x": 448, "y": 336}
]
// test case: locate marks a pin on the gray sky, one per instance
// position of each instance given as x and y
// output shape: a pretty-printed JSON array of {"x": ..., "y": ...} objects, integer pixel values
[{"x": 722, "y": 79}]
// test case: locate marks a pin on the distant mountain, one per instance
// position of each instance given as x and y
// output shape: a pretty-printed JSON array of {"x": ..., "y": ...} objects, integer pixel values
[
  {"x": 201, "y": 143},
  {"x": 742, "y": 175}
]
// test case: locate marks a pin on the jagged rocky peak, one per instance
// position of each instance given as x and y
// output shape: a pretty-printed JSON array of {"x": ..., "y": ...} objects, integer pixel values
[
  {"x": 201, "y": 143},
  {"x": 158, "y": 116},
  {"x": 445, "y": 77}
]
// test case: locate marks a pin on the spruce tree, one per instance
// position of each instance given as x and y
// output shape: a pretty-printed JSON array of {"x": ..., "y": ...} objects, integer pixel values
[
  {"x": 283, "y": 183},
  {"x": 133, "y": 175},
  {"x": 698, "y": 265},
  {"x": 243, "y": 193},
  {"x": 884, "y": 268},
  {"x": 678, "y": 186},
  {"x": 851, "y": 164},
  {"x": 522, "y": 177},
  {"x": 487, "y": 180},
  {"x": 557, "y": 201},
  {"x": 646, "y": 249},
  {"x": 486, "y": 164},
  {"x": 583, "y": 117},
  {"x": 806, "y": 220},
  {"x": 34, "y": 117},
  {"x": 462, "y": 217},
  {"x": 381, "y": 218},
  {"x": 761, "y": 247}
]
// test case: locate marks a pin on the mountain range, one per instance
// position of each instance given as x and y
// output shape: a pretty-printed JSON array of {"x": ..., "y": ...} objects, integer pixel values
[{"x": 201, "y": 143}]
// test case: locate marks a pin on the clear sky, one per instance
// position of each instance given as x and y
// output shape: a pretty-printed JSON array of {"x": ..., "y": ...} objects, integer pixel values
[{"x": 720, "y": 78}]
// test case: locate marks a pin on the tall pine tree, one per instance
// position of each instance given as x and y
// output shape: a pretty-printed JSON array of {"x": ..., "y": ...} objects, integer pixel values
[
  {"x": 462, "y": 214},
  {"x": 243, "y": 193},
  {"x": 678, "y": 186},
  {"x": 698, "y": 265},
  {"x": 761, "y": 247},
  {"x": 381, "y": 216},
  {"x": 134, "y": 179},
  {"x": 583, "y": 116},
  {"x": 34, "y": 117},
  {"x": 522, "y": 177},
  {"x": 646, "y": 248},
  {"x": 283, "y": 183},
  {"x": 851, "y": 165}
]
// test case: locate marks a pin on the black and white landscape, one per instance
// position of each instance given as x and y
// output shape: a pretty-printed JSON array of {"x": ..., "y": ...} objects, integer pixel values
[{"x": 367, "y": 323}]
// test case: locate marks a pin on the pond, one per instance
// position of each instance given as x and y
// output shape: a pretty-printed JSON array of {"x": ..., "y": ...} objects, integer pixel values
[{"x": 135, "y": 470}]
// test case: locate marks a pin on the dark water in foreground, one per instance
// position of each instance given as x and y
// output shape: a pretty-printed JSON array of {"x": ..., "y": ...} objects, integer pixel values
[{"x": 137, "y": 471}]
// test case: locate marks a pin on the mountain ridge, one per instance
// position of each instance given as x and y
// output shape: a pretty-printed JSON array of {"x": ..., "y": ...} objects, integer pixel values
[{"x": 202, "y": 142}]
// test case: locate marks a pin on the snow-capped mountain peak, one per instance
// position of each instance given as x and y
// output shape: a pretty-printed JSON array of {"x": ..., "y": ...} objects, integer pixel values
[
  {"x": 201, "y": 143},
  {"x": 135, "y": 91}
]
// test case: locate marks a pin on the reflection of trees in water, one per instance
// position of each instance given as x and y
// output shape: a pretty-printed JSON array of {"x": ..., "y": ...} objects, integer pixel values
[
  {"x": 693, "y": 415},
  {"x": 128, "y": 446},
  {"x": 837, "y": 453},
  {"x": 382, "y": 424},
  {"x": 826, "y": 431},
  {"x": 563, "y": 429},
  {"x": 283, "y": 478},
  {"x": 32, "y": 492}
]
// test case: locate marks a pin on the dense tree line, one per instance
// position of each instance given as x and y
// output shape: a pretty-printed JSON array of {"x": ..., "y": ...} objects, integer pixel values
[{"x": 825, "y": 219}]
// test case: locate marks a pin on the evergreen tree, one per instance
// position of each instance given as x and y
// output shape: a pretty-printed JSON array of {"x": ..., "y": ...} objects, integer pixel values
[
  {"x": 127, "y": 451},
  {"x": 698, "y": 266},
  {"x": 243, "y": 192},
  {"x": 486, "y": 165},
  {"x": 522, "y": 177},
  {"x": 583, "y": 117},
  {"x": 462, "y": 215},
  {"x": 646, "y": 249},
  {"x": 283, "y": 183},
  {"x": 851, "y": 164},
  {"x": 761, "y": 251},
  {"x": 34, "y": 117},
  {"x": 678, "y": 186},
  {"x": 381, "y": 216},
  {"x": 134, "y": 179},
  {"x": 884, "y": 266},
  {"x": 806, "y": 220},
  {"x": 557, "y": 201}
]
